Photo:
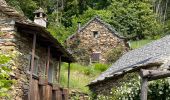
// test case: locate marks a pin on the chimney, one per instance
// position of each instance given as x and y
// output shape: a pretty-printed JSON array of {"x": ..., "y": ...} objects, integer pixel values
[
  {"x": 40, "y": 17},
  {"x": 79, "y": 26}
]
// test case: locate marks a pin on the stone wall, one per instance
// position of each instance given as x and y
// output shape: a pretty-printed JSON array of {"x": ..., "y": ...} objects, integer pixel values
[
  {"x": 74, "y": 95},
  {"x": 86, "y": 42},
  {"x": 19, "y": 48},
  {"x": 105, "y": 88}
]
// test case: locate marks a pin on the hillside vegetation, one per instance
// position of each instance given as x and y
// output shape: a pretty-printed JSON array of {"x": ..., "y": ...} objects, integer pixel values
[{"x": 135, "y": 19}]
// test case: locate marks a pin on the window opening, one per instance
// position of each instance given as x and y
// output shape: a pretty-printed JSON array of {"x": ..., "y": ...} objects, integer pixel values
[
  {"x": 95, "y": 57},
  {"x": 95, "y": 34}
]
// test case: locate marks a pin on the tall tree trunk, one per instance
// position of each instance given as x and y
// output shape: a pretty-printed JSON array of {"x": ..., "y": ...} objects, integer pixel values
[{"x": 165, "y": 12}]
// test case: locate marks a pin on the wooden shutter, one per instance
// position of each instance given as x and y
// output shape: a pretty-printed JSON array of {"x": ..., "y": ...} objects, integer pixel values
[
  {"x": 50, "y": 73},
  {"x": 36, "y": 64},
  {"x": 95, "y": 57}
]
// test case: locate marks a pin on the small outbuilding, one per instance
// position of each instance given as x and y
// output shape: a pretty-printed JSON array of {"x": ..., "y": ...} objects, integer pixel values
[{"x": 94, "y": 40}]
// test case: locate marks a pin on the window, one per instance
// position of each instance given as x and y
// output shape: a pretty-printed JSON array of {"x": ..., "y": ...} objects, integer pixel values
[
  {"x": 95, "y": 57},
  {"x": 38, "y": 14},
  {"x": 95, "y": 34},
  {"x": 44, "y": 15},
  {"x": 50, "y": 72},
  {"x": 36, "y": 64}
]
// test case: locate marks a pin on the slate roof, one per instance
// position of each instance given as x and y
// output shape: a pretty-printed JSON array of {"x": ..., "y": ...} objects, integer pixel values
[
  {"x": 97, "y": 18},
  {"x": 10, "y": 11},
  {"x": 156, "y": 52}
]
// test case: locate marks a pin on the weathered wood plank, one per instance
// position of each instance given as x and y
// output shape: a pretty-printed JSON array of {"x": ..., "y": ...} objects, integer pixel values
[
  {"x": 32, "y": 66},
  {"x": 68, "y": 83},
  {"x": 59, "y": 69},
  {"x": 144, "y": 89},
  {"x": 57, "y": 95},
  {"x": 48, "y": 92},
  {"x": 35, "y": 90},
  {"x": 48, "y": 61},
  {"x": 154, "y": 74},
  {"x": 42, "y": 91}
]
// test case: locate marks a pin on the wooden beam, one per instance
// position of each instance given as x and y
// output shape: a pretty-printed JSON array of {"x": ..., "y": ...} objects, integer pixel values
[
  {"x": 68, "y": 83},
  {"x": 59, "y": 69},
  {"x": 144, "y": 88},
  {"x": 154, "y": 74},
  {"x": 32, "y": 66},
  {"x": 26, "y": 31}
]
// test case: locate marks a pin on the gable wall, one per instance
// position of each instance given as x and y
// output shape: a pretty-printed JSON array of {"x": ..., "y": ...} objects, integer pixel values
[{"x": 105, "y": 42}]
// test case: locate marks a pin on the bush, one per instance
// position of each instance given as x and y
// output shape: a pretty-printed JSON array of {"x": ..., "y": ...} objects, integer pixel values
[{"x": 114, "y": 54}]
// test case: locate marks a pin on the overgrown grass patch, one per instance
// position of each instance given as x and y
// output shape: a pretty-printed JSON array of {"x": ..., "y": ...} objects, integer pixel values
[
  {"x": 80, "y": 76},
  {"x": 100, "y": 67},
  {"x": 140, "y": 43}
]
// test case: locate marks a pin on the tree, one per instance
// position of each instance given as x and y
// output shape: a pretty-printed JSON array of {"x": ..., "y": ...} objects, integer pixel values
[
  {"x": 134, "y": 18},
  {"x": 131, "y": 18},
  {"x": 99, "y": 4}
]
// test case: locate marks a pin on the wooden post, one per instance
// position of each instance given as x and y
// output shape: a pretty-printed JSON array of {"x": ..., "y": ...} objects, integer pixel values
[
  {"x": 68, "y": 76},
  {"x": 149, "y": 75},
  {"x": 144, "y": 89},
  {"x": 32, "y": 66},
  {"x": 59, "y": 69}
]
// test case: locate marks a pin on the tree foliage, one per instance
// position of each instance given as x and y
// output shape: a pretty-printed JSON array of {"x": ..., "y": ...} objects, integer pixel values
[
  {"x": 134, "y": 18},
  {"x": 131, "y": 18}
]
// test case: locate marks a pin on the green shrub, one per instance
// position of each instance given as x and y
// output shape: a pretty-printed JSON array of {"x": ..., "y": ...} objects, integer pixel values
[{"x": 114, "y": 54}]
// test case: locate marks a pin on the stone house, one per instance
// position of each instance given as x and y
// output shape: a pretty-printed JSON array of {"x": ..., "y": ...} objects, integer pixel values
[
  {"x": 36, "y": 56},
  {"x": 94, "y": 40},
  {"x": 153, "y": 56}
]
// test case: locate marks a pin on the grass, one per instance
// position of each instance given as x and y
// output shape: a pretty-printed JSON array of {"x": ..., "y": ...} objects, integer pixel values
[
  {"x": 80, "y": 76},
  {"x": 140, "y": 43}
]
